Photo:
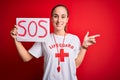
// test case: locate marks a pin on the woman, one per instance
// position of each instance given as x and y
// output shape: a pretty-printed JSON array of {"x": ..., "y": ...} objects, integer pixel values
[{"x": 63, "y": 53}]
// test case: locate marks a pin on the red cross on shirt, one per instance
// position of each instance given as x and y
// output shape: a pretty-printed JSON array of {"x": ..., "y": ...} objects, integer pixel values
[{"x": 61, "y": 55}]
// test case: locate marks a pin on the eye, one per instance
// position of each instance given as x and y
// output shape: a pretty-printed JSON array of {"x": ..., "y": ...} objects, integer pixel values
[
  {"x": 55, "y": 16},
  {"x": 63, "y": 16}
]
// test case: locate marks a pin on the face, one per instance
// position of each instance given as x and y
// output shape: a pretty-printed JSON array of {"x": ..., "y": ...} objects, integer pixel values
[{"x": 59, "y": 18}]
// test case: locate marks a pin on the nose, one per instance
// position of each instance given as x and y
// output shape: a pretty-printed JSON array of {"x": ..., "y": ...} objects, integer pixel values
[{"x": 59, "y": 19}]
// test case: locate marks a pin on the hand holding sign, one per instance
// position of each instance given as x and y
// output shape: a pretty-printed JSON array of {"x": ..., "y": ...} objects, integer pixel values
[
  {"x": 33, "y": 29},
  {"x": 14, "y": 32}
]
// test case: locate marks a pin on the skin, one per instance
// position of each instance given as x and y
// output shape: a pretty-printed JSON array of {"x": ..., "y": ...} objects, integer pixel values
[
  {"x": 59, "y": 19},
  {"x": 88, "y": 41},
  {"x": 24, "y": 54}
]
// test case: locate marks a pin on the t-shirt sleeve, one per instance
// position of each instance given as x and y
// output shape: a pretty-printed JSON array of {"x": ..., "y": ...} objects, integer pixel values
[
  {"x": 36, "y": 50},
  {"x": 77, "y": 46}
]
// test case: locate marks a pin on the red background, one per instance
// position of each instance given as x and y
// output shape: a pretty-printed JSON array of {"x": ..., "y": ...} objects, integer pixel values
[{"x": 102, "y": 61}]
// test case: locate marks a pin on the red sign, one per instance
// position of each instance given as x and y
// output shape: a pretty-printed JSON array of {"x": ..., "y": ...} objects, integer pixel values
[{"x": 33, "y": 29}]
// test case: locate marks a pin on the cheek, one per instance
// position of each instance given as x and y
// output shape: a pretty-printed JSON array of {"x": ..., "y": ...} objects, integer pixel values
[
  {"x": 54, "y": 20},
  {"x": 66, "y": 20}
]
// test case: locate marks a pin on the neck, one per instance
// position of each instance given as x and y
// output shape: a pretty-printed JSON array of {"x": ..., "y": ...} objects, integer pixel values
[{"x": 61, "y": 33}]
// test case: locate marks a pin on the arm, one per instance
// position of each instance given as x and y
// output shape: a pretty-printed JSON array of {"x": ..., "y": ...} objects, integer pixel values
[
  {"x": 88, "y": 40},
  {"x": 24, "y": 54},
  {"x": 80, "y": 56}
]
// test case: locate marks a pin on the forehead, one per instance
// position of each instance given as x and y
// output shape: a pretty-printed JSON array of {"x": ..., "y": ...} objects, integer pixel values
[{"x": 60, "y": 10}]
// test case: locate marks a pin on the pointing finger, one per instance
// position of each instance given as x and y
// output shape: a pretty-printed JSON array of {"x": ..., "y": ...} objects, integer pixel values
[
  {"x": 94, "y": 36},
  {"x": 87, "y": 34}
]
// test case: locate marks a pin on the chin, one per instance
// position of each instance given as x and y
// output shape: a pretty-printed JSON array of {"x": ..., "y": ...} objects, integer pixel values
[{"x": 58, "y": 28}]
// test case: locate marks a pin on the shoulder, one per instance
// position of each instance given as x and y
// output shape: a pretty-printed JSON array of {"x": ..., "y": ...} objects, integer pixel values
[{"x": 73, "y": 36}]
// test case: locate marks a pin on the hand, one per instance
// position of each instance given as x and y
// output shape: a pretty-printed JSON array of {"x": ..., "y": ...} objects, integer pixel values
[
  {"x": 89, "y": 40},
  {"x": 14, "y": 32}
]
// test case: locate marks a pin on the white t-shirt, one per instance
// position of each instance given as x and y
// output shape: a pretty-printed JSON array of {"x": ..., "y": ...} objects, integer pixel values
[{"x": 48, "y": 49}]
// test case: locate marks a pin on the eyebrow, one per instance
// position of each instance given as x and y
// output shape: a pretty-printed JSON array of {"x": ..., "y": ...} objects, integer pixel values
[{"x": 57, "y": 14}]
